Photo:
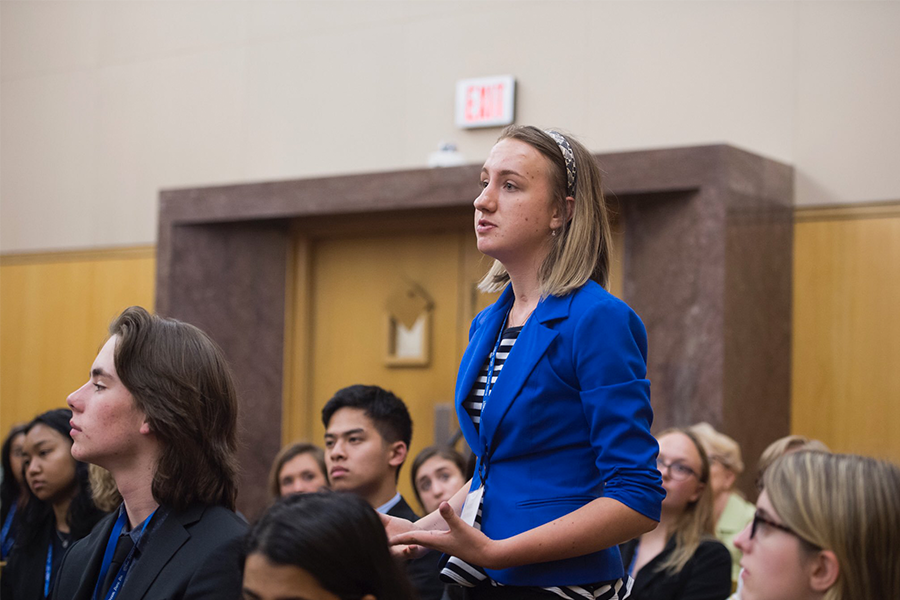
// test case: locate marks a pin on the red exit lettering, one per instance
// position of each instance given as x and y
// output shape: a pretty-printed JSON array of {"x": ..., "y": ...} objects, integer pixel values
[{"x": 484, "y": 103}]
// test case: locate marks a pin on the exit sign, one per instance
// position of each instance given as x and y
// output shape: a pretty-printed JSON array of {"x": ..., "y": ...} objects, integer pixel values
[{"x": 485, "y": 101}]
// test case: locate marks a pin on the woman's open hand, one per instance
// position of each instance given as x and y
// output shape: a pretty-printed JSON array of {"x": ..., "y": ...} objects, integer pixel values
[
  {"x": 395, "y": 526},
  {"x": 458, "y": 539}
]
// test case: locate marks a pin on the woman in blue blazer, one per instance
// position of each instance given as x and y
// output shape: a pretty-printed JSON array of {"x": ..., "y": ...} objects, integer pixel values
[{"x": 566, "y": 463}]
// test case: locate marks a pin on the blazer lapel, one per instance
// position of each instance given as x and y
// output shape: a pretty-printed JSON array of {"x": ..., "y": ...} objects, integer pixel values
[
  {"x": 530, "y": 347},
  {"x": 479, "y": 348},
  {"x": 164, "y": 542}
]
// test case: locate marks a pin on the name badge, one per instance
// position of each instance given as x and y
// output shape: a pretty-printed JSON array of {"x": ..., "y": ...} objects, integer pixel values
[{"x": 470, "y": 508}]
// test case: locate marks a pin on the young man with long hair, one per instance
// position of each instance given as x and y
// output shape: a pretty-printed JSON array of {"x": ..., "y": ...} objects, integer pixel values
[{"x": 159, "y": 412}]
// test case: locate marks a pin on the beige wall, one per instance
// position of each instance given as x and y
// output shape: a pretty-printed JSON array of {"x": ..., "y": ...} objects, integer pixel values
[{"x": 102, "y": 104}]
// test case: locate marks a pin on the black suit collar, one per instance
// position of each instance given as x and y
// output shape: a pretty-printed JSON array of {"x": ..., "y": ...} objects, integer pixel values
[{"x": 170, "y": 535}]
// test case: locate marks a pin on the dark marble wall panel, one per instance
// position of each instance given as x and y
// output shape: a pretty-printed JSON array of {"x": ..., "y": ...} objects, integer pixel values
[
  {"x": 673, "y": 279},
  {"x": 756, "y": 391},
  {"x": 759, "y": 233},
  {"x": 230, "y": 281},
  {"x": 709, "y": 271}
]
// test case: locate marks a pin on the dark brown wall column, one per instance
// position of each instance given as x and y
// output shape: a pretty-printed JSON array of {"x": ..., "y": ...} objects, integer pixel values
[
  {"x": 229, "y": 280},
  {"x": 709, "y": 271}
]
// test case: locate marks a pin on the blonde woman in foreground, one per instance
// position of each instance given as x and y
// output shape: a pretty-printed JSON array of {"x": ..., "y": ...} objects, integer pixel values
[{"x": 827, "y": 526}]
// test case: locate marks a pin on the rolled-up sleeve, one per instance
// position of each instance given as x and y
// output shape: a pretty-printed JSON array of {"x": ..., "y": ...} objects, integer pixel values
[{"x": 610, "y": 358}]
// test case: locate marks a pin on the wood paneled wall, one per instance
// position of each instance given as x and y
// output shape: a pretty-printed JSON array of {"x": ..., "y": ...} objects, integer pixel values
[
  {"x": 54, "y": 313},
  {"x": 55, "y": 308},
  {"x": 846, "y": 324}
]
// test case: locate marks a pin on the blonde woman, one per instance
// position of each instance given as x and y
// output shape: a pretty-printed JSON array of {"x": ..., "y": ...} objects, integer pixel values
[
  {"x": 781, "y": 447},
  {"x": 680, "y": 559},
  {"x": 827, "y": 527},
  {"x": 103, "y": 489},
  {"x": 731, "y": 512},
  {"x": 566, "y": 462}
]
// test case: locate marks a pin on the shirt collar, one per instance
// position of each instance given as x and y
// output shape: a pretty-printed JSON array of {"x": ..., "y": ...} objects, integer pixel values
[{"x": 389, "y": 504}]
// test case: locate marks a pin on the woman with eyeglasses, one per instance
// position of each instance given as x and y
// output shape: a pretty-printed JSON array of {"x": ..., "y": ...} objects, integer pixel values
[
  {"x": 827, "y": 526},
  {"x": 680, "y": 559}
]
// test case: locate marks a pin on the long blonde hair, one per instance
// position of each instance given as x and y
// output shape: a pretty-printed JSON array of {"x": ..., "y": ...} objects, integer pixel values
[
  {"x": 848, "y": 504},
  {"x": 581, "y": 250},
  {"x": 696, "y": 522},
  {"x": 782, "y": 446},
  {"x": 719, "y": 447}
]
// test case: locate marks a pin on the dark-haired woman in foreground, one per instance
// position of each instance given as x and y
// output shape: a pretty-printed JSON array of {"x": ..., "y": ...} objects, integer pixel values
[
  {"x": 321, "y": 546},
  {"x": 59, "y": 511}
]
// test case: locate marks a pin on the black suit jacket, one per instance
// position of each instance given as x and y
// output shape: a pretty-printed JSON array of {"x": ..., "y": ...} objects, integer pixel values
[
  {"x": 424, "y": 573},
  {"x": 191, "y": 555},
  {"x": 706, "y": 576}
]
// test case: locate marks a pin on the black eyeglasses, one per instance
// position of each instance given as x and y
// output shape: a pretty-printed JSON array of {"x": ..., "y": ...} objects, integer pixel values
[
  {"x": 758, "y": 518},
  {"x": 677, "y": 471}
]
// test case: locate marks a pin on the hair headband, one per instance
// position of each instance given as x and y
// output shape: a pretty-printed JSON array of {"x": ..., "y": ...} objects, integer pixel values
[{"x": 569, "y": 157}]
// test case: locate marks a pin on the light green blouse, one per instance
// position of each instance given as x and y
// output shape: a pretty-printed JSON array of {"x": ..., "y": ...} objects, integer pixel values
[{"x": 738, "y": 512}]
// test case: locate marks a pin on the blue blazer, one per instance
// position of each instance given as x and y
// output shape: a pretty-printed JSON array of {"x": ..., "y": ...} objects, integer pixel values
[{"x": 567, "y": 421}]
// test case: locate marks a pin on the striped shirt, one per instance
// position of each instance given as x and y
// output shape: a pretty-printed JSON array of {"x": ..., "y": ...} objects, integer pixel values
[{"x": 458, "y": 571}]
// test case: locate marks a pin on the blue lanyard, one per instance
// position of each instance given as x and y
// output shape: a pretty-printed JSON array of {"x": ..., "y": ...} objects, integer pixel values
[
  {"x": 487, "y": 392},
  {"x": 48, "y": 569},
  {"x": 7, "y": 542},
  {"x": 490, "y": 374},
  {"x": 111, "y": 550}
]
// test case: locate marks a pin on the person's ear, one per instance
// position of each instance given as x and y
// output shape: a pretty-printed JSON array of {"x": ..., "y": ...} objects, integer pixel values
[
  {"x": 145, "y": 428},
  {"x": 824, "y": 571},
  {"x": 557, "y": 219},
  {"x": 730, "y": 478},
  {"x": 570, "y": 208},
  {"x": 398, "y": 451},
  {"x": 698, "y": 492}
]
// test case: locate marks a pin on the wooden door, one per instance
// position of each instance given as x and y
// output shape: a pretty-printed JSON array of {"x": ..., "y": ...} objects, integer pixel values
[{"x": 344, "y": 277}]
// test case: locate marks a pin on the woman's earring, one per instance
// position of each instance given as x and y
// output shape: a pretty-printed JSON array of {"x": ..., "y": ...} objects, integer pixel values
[{"x": 553, "y": 232}]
